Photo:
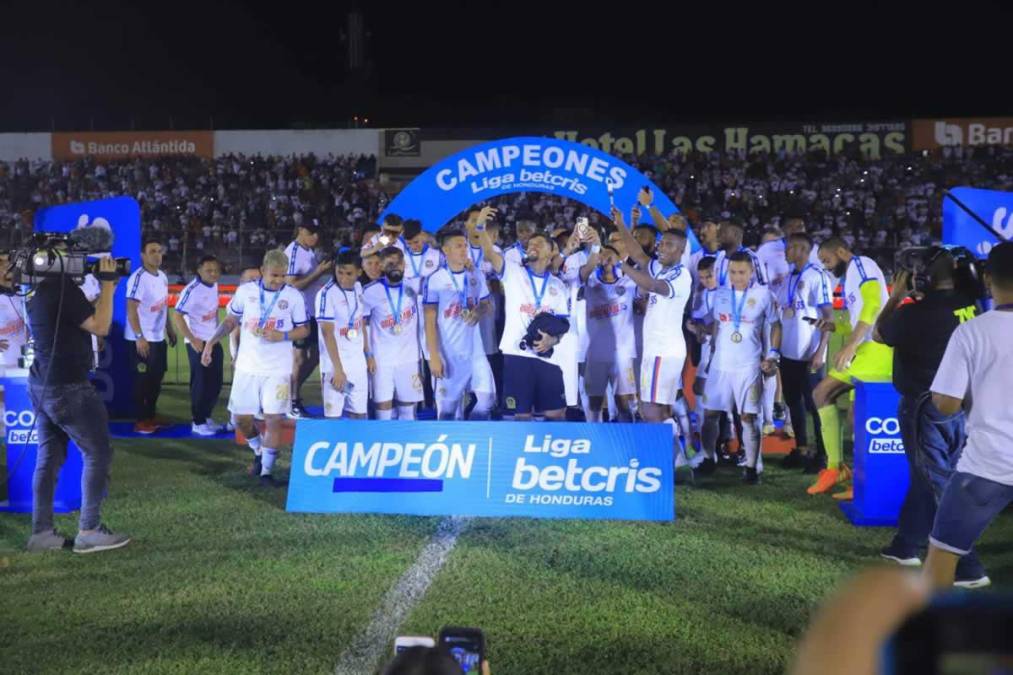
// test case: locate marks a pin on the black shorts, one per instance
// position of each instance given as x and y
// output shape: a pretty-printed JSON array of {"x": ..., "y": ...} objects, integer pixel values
[
  {"x": 310, "y": 340},
  {"x": 532, "y": 385}
]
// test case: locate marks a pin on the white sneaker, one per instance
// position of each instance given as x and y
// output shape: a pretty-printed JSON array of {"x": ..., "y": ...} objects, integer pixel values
[
  {"x": 230, "y": 426},
  {"x": 202, "y": 430},
  {"x": 214, "y": 426}
]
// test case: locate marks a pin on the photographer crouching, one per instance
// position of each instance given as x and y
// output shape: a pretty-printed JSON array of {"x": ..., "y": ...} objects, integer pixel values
[{"x": 67, "y": 407}]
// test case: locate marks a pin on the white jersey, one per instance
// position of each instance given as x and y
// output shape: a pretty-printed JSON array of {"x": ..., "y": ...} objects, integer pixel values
[
  {"x": 860, "y": 271},
  {"x": 610, "y": 318},
  {"x": 345, "y": 309},
  {"x": 90, "y": 287},
  {"x": 418, "y": 266},
  {"x": 301, "y": 262},
  {"x": 570, "y": 274},
  {"x": 198, "y": 304},
  {"x": 487, "y": 324},
  {"x": 515, "y": 253},
  {"x": 151, "y": 292},
  {"x": 258, "y": 308},
  {"x": 13, "y": 329},
  {"x": 393, "y": 313},
  {"x": 522, "y": 290},
  {"x": 757, "y": 310},
  {"x": 703, "y": 311},
  {"x": 773, "y": 264},
  {"x": 451, "y": 293},
  {"x": 803, "y": 296},
  {"x": 694, "y": 263},
  {"x": 663, "y": 322}
]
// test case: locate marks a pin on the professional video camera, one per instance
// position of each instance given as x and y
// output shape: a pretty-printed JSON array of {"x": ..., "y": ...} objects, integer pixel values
[
  {"x": 54, "y": 254},
  {"x": 918, "y": 260}
]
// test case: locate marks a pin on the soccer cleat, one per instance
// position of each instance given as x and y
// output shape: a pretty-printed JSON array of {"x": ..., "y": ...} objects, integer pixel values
[
  {"x": 145, "y": 427},
  {"x": 793, "y": 459},
  {"x": 706, "y": 467},
  {"x": 768, "y": 429},
  {"x": 789, "y": 431},
  {"x": 215, "y": 426},
  {"x": 47, "y": 541},
  {"x": 825, "y": 481},
  {"x": 751, "y": 476},
  {"x": 297, "y": 411},
  {"x": 979, "y": 582},
  {"x": 255, "y": 468},
  {"x": 202, "y": 430},
  {"x": 100, "y": 540},
  {"x": 270, "y": 481},
  {"x": 900, "y": 556},
  {"x": 845, "y": 495}
]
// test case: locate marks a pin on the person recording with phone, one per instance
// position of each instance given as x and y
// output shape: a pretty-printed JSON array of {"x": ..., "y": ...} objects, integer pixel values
[{"x": 67, "y": 407}]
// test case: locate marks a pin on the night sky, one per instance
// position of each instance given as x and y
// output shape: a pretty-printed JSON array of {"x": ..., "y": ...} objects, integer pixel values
[{"x": 114, "y": 65}]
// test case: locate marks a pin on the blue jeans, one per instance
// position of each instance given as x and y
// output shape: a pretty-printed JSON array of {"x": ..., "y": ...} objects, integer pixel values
[
  {"x": 70, "y": 412},
  {"x": 969, "y": 505},
  {"x": 932, "y": 443}
]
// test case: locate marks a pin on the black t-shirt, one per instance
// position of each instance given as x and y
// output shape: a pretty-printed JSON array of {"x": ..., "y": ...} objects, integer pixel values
[
  {"x": 72, "y": 358},
  {"x": 919, "y": 333}
]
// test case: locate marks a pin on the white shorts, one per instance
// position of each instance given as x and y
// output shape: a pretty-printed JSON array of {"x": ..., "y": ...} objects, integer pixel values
[
  {"x": 252, "y": 394},
  {"x": 565, "y": 356},
  {"x": 661, "y": 379},
  {"x": 728, "y": 389},
  {"x": 397, "y": 382},
  {"x": 463, "y": 376},
  {"x": 335, "y": 402},
  {"x": 598, "y": 374}
]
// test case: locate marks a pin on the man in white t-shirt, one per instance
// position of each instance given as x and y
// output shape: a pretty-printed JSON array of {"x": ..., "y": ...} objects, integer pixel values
[
  {"x": 13, "y": 318},
  {"x": 344, "y": 361},
  {"x": 668, "y": 286},
  {"x": 454, "y": 299},
  {"x": 742, "y": 314},
  {"x": 307, "y": 273},
  {"x": 393, "y": 313},
  {"x": 196, "y": 319},
  {"x": 271, "y": 315},
  {"x": 147, "y": 328},
  {"x": 805, "y": 298},
  {"x": 532, "y": 377},
  {"x": 611, "y": 347},
  {"x": 861, "y": 358},
  {"x": 975, "y": 373}
]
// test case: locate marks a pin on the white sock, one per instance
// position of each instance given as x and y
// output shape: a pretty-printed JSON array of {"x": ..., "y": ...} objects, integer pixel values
[
  {"x": 387, "y": 414},
  {"x": 445, "y": 409},
  {"x": 406, "y": 412},
  {"x": 751, "y": 444},
  {"x": 267, "y": 461},
  {"x": 484, "y": 402},
  {"x": 255, "y": 444}
]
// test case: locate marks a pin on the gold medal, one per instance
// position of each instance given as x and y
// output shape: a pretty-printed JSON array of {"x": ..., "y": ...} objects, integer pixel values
[
  {"x": 351, "y": 334},
  {"x": 736, "y": 337},
  {"x": 789, "y": 312},
  {"x": 465, "y": 315},
  {"x": 397, "y": 329}
]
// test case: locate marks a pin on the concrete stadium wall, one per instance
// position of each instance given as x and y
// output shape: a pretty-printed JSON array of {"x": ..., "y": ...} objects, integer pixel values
[
  {"x": 321, "y": 142},
  {"x": 25, "y": 146}
]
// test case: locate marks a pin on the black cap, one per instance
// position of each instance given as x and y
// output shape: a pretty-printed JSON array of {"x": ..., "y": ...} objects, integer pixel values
[{"x": 311, "y": 225}]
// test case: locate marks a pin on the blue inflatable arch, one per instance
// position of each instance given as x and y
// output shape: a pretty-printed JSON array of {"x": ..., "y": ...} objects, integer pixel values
[{"x": 524, "y": 164}]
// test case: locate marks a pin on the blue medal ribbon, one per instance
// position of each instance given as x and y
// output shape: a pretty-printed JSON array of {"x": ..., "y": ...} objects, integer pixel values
[
  {"x": 396, "y": 311},
  {"x": 737, "y": 309},
  {"x": 534, "y": 290},
  {"x": 476, "y": 260},
  {"x": 351, "y": 316},
  {"x": 411, "y": 259},
  {"x": 463, "y": 296},
  {"x": 793, "y": 288}
]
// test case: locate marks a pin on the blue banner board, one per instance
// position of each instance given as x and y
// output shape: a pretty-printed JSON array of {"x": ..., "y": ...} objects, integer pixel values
[
  {"x": 992, "y": 206},
  {"x": 539, "y": 470},
  {"x": 113, "y": 379}
]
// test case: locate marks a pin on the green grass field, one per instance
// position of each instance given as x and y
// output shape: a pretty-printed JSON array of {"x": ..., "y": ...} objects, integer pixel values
[{"x": 219, "y": 579}]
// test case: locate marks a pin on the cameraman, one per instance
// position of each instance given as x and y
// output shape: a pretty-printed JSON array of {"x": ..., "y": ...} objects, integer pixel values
[
  {"x": 68, "y": 407},
  {"x": 919, "y": 332}
]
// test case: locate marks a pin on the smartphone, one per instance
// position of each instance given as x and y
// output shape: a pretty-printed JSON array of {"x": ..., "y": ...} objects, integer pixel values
[
  {"x": 466, "y": 645},
  {"x": 385, "y": 240},
  {"x": 958, "y": 634},
  {"x": 403, "y": 642},
  {"x": 583, "y": 228},
  {"x": 809, "y": 319}
]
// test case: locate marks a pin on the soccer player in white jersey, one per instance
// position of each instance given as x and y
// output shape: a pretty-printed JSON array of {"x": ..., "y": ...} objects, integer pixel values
[
  {"x": 344, "y": 356},
  {"x": 196, "y": 319},
  {"x": 272, "y": 315},
  {"x": 388, "y": 235},
  {"x": 611, "y": 347},
  {"x": 13, "y": 320},
  {"x": 393, "y": 315},
  {"x": 307, "y": 273},
  {"x": 865, "y": 294},
  {"x": 700, "y": 327},
  {"x": 532, "y": 377},
  {"x": 805, "y": 298},
  {"x": 248, "y": 274},
  {"x": 741, "y": 314},
  {"x": 421, "y": 259},
  {"x": 489, "y": 323},
  {"x": 730, "y": 241},
  {"x": 147, "y": 328},
  {"x": 770, "y": 256},
  {"x": 454, "y": 299},
  {"x": 668, "y": 286}
]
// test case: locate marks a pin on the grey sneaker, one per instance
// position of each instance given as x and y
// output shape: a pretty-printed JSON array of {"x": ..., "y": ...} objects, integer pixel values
[
  {"x": 100, "y": 540},
  {"x": 47, "y": 541}
]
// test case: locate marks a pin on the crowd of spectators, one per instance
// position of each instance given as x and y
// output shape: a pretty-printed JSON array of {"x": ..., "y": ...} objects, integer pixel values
[{"x": 236, "y": 206}]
